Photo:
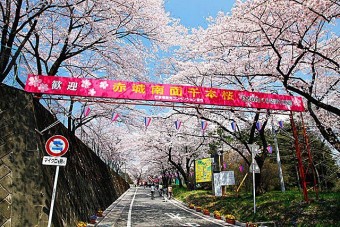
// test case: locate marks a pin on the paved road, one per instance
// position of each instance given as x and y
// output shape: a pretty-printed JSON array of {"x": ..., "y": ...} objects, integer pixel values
[{"x": 136, "y": 208}]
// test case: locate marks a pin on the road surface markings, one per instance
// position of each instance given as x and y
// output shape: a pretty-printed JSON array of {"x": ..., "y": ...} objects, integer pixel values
[
  {"x": 174, "y": 216},
  {"x": 130, "y": 210},
  {"x": 191, "y": 224},
  {"x": 189, "y": 211}
]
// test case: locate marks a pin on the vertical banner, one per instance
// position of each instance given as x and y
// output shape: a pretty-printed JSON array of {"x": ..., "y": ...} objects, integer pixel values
[{"x": 203, "y": 171}]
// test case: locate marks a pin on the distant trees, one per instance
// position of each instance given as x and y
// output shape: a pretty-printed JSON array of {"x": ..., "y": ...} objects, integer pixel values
[{"x": 174, "y": 150}]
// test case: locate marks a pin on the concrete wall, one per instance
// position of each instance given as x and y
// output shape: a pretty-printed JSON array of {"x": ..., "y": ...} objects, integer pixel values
[{"x": 84, "y": 185}]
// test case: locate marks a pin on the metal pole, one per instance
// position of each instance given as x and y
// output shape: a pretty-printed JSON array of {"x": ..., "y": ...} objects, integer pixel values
[
  {"x": 53, "y": 196},
  {"x": 194, "y": 174},
  {"x": 278, "y": 159}
]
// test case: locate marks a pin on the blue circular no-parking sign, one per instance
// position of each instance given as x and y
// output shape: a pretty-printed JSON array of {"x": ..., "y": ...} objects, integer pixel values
[{"x": 56, "y": 145}]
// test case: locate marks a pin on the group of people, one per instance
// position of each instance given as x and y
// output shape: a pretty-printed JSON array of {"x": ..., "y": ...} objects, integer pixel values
[{"x": 162, "y": 191}]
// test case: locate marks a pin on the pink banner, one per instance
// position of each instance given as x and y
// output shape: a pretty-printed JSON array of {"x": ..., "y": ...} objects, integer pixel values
[{"x": 56, "y": 85}]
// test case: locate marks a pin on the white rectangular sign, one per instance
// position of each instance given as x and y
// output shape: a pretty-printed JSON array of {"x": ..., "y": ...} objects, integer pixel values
[
  {"x": 54, "y": 161},
  {"x": 227, "y": 178}
]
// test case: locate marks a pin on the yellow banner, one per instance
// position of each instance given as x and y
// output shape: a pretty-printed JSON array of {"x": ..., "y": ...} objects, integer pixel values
[{"x": 203, "y": 170}]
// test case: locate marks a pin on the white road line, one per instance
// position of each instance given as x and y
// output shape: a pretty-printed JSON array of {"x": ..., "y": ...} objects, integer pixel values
[
  {"x": 177, "y": 204},
  {"x": 130, "y": 210}
]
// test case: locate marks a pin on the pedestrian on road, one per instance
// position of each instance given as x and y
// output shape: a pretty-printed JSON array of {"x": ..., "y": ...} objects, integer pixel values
[
  {"x": 152, "y": 191},
  {"x": 160, "y": 189},
  {"x": 169, "y": 192}
]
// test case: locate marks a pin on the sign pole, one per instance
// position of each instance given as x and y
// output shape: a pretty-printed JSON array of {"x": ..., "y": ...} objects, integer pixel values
[
  {"x": 254, "y": 168},
  {"x": 53, "y": 196},
  {"x": 56, "y": 146}
]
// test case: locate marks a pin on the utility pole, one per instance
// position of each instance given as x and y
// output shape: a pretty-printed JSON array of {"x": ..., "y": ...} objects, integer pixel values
[{"x": 278, "y": 159}]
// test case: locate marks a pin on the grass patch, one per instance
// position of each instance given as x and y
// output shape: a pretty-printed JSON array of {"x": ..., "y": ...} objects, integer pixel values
[{"x": 286, "y": 209}]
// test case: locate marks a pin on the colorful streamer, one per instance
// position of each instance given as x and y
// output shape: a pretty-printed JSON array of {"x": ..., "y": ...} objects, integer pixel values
[
  {"x": 258, "y": 126},
  {"x": 270, "y": 149},
  {"x": 147, "y": 121},
  {"x": 204, "y": 125},
  {"x": 114, "y": 117},
  {"x": 178, "y": 124},
  {"x": 281, "y": 124},
  {"x": 87, "y": 111},
  {"x": 233, "y": 125}
]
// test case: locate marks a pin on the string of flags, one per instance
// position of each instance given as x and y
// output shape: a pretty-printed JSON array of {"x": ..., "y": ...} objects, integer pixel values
[
  {"x": 87, "y": 111},
  {"x": 258, "y": 126},
  {"x": 269, "y": 149},
  {"x": 147, "y": 121},
  {"x": 281, "y": 124},
  {"x": 204, "y": 125},
  {"x": 171, "y": 175},
  {"x": 233, "y": 125},
  {"x": 178, "y": 124},
  {"x": 114, "y": 116}
]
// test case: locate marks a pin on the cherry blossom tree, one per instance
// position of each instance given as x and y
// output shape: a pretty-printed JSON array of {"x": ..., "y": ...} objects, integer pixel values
[
  {"x": 18, "y": 21},
  {"x": 286, "y": 47},
  {"x": 168, "y": 150},
  {"x": 92, "y": 38}
]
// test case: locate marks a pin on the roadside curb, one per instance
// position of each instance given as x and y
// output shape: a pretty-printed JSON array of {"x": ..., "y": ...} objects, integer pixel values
[
  {"x": 237, "y": 223},
  {"x": 211, "y": 215},
  {"x": 109, "y": 209}
]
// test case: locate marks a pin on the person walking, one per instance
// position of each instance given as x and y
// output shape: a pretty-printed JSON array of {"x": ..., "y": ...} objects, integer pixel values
[
  {"x": 169, "y": 192},
  {"x": 160, "y": 189},
  {"x": 152, "y": 191}
]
